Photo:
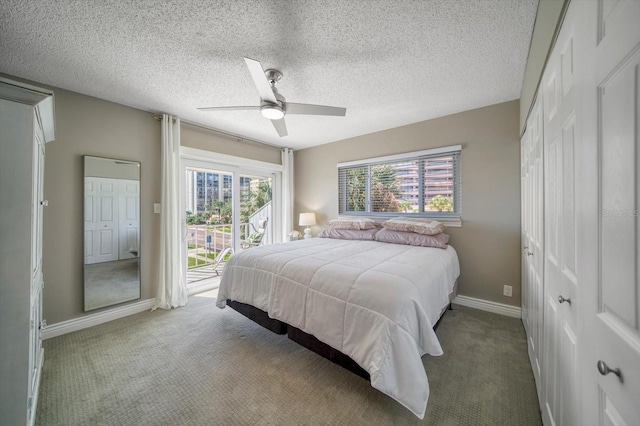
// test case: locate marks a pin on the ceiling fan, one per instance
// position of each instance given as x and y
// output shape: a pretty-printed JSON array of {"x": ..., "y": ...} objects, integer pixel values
[{"x": 273, "y": 105}]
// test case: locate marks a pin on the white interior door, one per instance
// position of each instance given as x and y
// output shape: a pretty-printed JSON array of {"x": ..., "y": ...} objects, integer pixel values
[
  {"x": 101, "y": 220},
  {"x": 38, "y": 179},
  {"x": 561, "y": 282},
  {"x": 533, "y": 236},
  {"x": 610, "y": 233},
  {"x": 129, "y": 218},
  {"x": 89, "y": 219}
]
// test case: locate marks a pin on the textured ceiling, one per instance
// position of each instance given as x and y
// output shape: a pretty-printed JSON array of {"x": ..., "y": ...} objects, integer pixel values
[{"x": 390, "y": 63}]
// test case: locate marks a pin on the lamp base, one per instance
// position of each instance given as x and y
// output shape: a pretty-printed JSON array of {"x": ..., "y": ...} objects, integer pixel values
[{"x": 307, "y": 233}]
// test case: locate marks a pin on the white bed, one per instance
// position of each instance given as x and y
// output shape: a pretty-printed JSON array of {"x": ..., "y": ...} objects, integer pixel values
[{"x": 375, "y": 302}]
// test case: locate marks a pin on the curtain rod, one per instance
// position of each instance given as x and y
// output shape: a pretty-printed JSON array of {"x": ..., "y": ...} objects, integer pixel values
[{"x": 220, "y": 132}]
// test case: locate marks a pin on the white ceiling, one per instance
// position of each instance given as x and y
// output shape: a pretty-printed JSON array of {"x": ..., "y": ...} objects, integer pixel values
[{"x": 390, "y": 63}]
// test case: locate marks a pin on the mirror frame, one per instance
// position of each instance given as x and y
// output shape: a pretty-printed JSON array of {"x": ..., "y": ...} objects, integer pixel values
[{"x": 117, "y": 254}]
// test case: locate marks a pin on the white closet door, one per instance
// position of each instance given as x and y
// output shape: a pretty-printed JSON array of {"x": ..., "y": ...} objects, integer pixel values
[
  {"x": 525, "y": 206},
  {"x": 101, "y": 220},
  {"x": 561, "y": 282},
  {"x": 37, "y": 206},
  {"x": 89, "y": 219},
  {"x": 129, "y": 218},
  {"x": 610, "y": 232},
  {"x": 533, "y": 238}
]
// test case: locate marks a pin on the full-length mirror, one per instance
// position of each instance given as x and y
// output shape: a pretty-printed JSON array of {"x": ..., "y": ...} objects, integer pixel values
[{"x": 111, "y": 231}]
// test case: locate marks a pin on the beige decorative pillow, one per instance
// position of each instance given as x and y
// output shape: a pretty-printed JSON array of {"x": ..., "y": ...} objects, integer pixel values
[
  {"x": 349, "y": 234},
  {"x": 412, "y": 239},
  {"x": 417, "y": 225},
  {"x": 352, "y": 223}
]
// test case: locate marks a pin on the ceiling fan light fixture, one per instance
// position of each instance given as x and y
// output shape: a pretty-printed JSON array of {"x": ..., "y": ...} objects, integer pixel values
[
  {"x": 274, "y": 106},
  {"x": 272, "y": 112}
]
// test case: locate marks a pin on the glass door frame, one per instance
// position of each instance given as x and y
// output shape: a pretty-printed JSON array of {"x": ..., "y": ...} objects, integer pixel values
[{"x": 193, "y": 158}]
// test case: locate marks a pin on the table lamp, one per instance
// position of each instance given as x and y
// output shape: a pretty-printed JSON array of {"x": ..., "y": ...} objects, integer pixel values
[{"x": 307, "y": 219}]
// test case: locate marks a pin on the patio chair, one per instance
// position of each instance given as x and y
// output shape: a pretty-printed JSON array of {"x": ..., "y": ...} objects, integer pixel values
[
  {"x": 256, "y": 238},
  {"x": 220, "y": 262}
]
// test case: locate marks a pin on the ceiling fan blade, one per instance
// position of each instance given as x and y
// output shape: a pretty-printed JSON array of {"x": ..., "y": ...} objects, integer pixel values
[
  {"x": 230, "y": 108},
  {"x": 308, "y": 109},
  {"x": 280, "y": 126},
  {"x": 260, "y": 80}
]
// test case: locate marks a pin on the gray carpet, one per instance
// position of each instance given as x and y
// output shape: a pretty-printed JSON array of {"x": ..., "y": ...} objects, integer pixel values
[{"x": 200, "y": 365}]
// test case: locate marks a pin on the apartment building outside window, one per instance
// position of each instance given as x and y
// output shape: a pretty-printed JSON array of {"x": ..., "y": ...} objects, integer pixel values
[{"x": 424, "y": 183}]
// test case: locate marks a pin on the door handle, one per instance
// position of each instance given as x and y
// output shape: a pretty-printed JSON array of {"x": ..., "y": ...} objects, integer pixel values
[
  {"x": 529, "y": 253},
  {"x": 604, "y": 369},
  {"x": 562, "y": 300}
]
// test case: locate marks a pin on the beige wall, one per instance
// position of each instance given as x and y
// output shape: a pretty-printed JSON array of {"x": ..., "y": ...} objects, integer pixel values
[
  {"x": 90, "y": 126},
  {"x": 201, "y": 138},
  {"x": 488, "y": 243},
  {"x": 547, "y": 21}
]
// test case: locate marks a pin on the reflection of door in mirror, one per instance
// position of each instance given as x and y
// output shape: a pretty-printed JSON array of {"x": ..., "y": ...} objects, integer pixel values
[{"x": 111, "y": 232}]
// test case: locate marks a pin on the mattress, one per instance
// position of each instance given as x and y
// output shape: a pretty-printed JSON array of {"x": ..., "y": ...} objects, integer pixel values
[{"x": 375, "y": 302}]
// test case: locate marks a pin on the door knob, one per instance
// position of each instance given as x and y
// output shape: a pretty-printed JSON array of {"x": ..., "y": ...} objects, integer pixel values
[
  {"x": 529, "y": 253},
  {"x": 562, "y": 300},
  {"x": 604, "y": 369}
]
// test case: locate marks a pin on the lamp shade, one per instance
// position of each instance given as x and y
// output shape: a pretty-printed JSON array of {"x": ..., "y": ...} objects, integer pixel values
[{"x": 307, "y": 219}]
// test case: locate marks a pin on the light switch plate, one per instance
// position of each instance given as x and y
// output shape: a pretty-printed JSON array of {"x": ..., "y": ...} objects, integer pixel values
[{"x": 157, "y": 208}]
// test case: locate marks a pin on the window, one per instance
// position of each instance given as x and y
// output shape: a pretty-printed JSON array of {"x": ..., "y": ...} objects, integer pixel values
[{"x": 423, "y": 183}]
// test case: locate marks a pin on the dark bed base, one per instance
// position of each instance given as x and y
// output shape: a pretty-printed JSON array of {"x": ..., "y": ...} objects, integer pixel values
[
  {"x": 304, "y": 339},
  {"x": 259, "y": 316},
  {"x": 310, "y": 342}
]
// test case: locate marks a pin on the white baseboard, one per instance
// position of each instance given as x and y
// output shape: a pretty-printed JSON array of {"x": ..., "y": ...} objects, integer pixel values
[
  {"x": 64, "y": 327},
  {"x": 485, "y": 305},
  {"x": 90, "y": 320}
]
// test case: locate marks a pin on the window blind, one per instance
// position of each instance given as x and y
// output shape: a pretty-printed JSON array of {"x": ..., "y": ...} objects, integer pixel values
[{"x": 425, "y": 184}]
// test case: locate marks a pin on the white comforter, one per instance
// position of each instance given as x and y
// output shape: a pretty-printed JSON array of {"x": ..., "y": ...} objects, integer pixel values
[{"x": 376, "y": 302}]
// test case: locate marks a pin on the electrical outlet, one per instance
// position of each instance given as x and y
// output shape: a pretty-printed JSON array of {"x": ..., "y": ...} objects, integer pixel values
[
  {"x": 157, "y": 208},
  {"x": 508, "y": 291}
]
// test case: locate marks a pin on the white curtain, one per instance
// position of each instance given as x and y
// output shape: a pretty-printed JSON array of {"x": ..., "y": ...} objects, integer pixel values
[
  {"x": 287, "y": 193},
  {"x": 172, "y": 290}
]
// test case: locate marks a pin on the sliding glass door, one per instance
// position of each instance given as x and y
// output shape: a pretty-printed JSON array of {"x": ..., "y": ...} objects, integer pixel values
[{"x": 226, "y": 209}]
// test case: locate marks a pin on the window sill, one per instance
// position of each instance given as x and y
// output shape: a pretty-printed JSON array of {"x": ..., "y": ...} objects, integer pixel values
[{"x": 455, "y": 223}]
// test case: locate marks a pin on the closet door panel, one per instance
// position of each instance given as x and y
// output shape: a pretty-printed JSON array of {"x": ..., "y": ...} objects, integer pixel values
[
  {"x": 129, "y": 218},
  {"x": 533, "y": 239},
  {"x": 106, "y": 237},
  {"x": 550, "y": 371},
  {"x": 524, "y": 239},
  {"x": 618, "y": 308},
  {"x": 619, "y": 195},
  {"x": 608, "y": 260},
  {"x": 561, "y": 284}
]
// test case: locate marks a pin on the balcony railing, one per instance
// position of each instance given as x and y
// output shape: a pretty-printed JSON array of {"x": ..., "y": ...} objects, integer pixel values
[{"x": 204, "y": 242}]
